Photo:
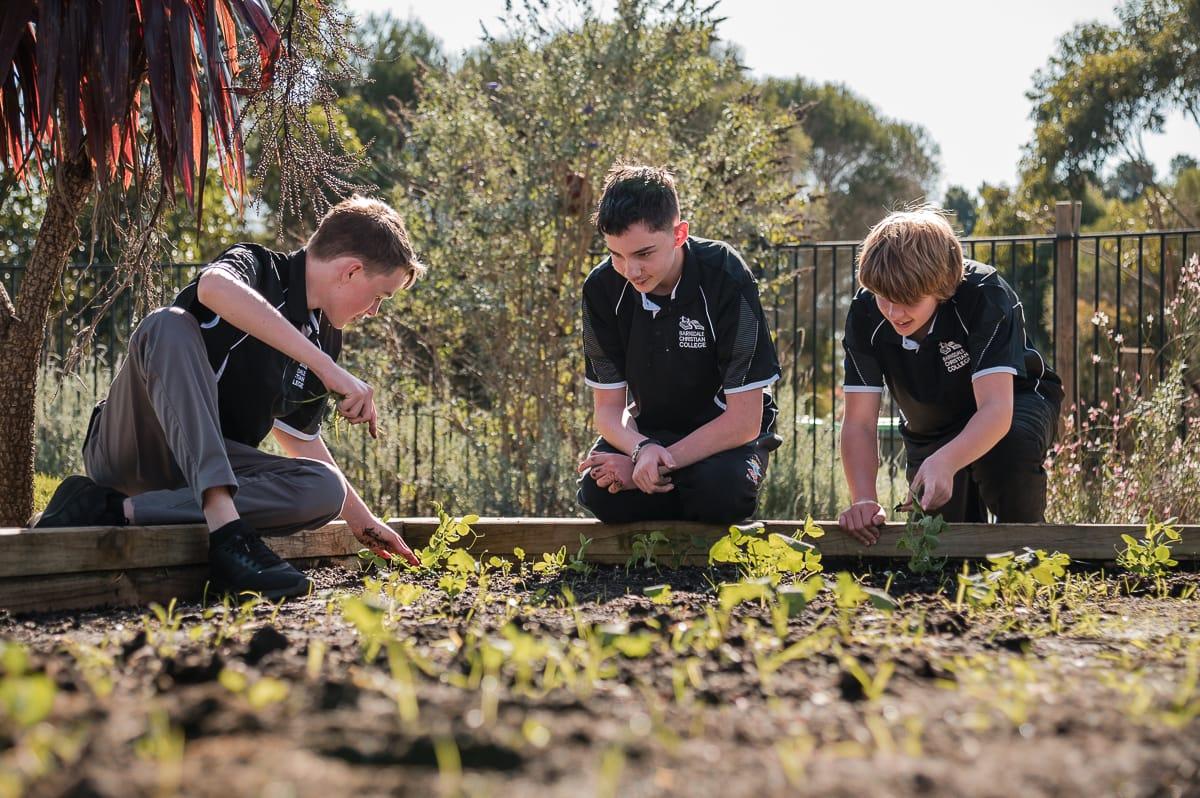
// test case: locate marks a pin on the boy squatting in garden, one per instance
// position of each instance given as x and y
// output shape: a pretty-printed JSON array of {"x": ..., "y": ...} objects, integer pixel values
[
  {"x": 674, "y": 323},
  {"x": 250, "y": 346},
  {"x": 979, "y": 406}
]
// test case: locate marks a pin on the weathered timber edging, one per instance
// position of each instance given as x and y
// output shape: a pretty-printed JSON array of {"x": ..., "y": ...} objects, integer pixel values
[{"x": 52, "y": 569}]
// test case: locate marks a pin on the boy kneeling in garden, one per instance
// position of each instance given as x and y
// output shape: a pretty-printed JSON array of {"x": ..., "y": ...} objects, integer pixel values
[
  {"x": 249, "y": 347},
  {"x": 674, "y": 323},
  {"x": 979, "y": 406}
]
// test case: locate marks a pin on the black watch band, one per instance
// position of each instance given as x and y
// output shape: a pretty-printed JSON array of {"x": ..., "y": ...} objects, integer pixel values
[{"x": 642, "y": 444}]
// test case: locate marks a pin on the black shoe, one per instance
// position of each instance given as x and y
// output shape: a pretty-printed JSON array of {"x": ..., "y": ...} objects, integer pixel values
[
  {"x": 79, "y": 501},
  {"x": 240, "y": 561}
]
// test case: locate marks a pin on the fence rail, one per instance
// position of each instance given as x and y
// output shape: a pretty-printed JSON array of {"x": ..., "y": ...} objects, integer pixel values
[{"x": 1064, "y": 279}]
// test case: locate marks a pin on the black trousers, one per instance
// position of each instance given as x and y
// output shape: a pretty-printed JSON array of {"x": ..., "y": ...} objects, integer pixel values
[
  {"x": 1009, "y": 480},
  {"x": 720, "y": 489}
]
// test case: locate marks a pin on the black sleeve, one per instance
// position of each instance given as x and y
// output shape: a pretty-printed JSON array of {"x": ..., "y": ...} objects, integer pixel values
[
  {"x": 306, "y": 401},
  {"x": 239, "y": 262},
  {"x": 861, "y": 367},
  {"x": 745, "y": 352},
  {"x": 603, "y": 352},
  {"x": 996, "y": 334}
]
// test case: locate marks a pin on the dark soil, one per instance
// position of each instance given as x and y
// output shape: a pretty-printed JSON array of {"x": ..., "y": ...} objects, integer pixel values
[{"x": 1097, "y": 699}]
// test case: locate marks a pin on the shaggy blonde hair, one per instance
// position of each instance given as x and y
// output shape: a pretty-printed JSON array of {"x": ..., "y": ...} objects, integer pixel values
[{"x": 912, "y": 254}]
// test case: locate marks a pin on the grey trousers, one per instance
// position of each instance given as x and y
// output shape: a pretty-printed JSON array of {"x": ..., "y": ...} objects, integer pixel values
[{"x": 158, "y": 440}]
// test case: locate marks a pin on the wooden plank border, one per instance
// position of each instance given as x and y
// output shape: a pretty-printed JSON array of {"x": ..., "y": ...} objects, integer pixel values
[{"x": 56, "y": 569}]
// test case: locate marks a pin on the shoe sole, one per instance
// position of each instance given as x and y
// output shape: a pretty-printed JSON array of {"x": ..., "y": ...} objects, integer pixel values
[{"x": 270, "y": 595}]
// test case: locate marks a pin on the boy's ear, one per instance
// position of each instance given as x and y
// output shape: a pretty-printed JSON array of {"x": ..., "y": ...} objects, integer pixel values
[
  {"x": 681, "y": 233},
  {"x": 350, "y": 268}
]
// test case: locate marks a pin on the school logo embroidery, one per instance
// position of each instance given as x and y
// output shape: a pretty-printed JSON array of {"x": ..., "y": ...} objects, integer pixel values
[
  {"x": 953, "y": 355},
  {"x": 301, "y": 375},
  {"x": 691, "y": 334},
  {"x": 754, "y": 470}
]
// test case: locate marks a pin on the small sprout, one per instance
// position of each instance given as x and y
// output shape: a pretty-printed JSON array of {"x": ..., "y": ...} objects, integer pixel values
[
  {"x": 659, "y": 594},
  {"x": 645, "y": 548}
]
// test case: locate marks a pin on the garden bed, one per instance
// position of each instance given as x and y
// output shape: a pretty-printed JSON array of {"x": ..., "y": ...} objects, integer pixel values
[{"x": 506, "y": 677}]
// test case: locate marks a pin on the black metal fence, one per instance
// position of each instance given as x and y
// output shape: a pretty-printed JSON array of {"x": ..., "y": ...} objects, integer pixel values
[{"x": 806, "y": 288}]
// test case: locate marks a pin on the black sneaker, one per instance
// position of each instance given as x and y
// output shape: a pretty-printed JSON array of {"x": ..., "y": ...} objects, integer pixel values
[
  {"x": 239, "y": 561},
  {"x": 79, "y": 501}
]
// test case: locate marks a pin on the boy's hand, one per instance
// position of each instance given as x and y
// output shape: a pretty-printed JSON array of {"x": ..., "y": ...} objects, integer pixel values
[
  {"x": 611, "y": 471},
  {"x": 357, "y": 402},
  {"x": 863, "y": 520},
  {"x": 384, "y": 542},
  {"x": 653, "y": 465},
  {"x": 933, "y": 484}
]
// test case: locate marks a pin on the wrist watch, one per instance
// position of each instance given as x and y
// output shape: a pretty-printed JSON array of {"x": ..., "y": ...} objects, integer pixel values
[{"x": 642, "y": 445}]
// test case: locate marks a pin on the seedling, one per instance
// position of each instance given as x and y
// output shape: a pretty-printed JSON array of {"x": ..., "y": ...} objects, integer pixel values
[
  {"x": 659, "y": 594},
  {"x": 920, "y": 538},
  {"x": 1151, "y": 555},
  {"x": 552, "y": 564},
  {"x": 645, "y": 548},
  {"x": 577, "y": 563},
  {"x": 873, "y": 687},
  {"x": 771, "y": 556}
]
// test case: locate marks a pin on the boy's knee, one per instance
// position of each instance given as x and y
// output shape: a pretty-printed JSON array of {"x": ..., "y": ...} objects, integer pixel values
[
  {"x": 724, "y": 489},
  {"x": 162, "y": 320},
  {"x": 322, "y": 494}
]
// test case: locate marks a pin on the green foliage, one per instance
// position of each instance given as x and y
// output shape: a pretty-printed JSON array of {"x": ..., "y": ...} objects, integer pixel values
[
  {"x": 504, "y": 159},
  {"x": 645, "y": 548},
  {"x": 1138, "y": 458},
  {"x": 1151, "y": 555},
  {"x": 920, "y": 538},
  {"x": 768, "y": 557},
  {"x": 857, "y": 162},
  {"x": 26, "y": 698},
  {"x": 1104, "y": 87},
  {"x": 1012, "y": 579},
  {"x": 450, "y": 531}
]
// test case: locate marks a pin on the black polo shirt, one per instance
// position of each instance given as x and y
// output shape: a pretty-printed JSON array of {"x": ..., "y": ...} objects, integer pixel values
[
  {"x": 258, "y": 386},
  {"x": 680, "y": 356},
  {"x": 980, "y": 330}
]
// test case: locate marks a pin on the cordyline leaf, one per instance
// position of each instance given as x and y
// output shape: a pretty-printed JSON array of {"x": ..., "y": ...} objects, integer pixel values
[{"x": 80, "y": 67}]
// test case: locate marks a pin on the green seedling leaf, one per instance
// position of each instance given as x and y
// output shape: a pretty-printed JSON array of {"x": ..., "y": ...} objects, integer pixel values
[
  {"x": 27, "y": 700},
  {"x": 233, "y": 681},
  {"x": 635, "y": 646},
  {"x": 793, "y": 598},
  {"x": 880, "y": 600},
  {"x": 266, "y": 691},
  {"x": 736, "y": 593}
]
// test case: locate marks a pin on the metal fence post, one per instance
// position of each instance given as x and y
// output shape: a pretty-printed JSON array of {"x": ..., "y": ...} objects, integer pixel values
[{"x": 1066, "y": 235}]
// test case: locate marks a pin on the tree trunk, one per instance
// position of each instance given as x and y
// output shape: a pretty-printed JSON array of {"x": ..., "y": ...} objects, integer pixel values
[{"x": 23, "y": 331}]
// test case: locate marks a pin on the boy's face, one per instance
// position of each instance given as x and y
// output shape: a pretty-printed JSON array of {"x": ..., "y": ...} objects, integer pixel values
[
  {"x": 358, "y": 293},
  {"x": 908, "y": 319},
  {"x": 650, "y": 260}
]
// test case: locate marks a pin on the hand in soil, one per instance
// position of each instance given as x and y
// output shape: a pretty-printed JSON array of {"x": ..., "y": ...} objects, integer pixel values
[{"x": 384, "y": 542}]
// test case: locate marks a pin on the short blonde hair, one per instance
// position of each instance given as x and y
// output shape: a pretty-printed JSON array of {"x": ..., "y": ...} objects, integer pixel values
[
  {"x": 912, "y": 254},
  {"x": 371, "y": 231}
]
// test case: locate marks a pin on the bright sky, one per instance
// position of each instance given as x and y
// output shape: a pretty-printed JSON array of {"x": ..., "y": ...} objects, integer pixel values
[{"x": 960, "y": 68}]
